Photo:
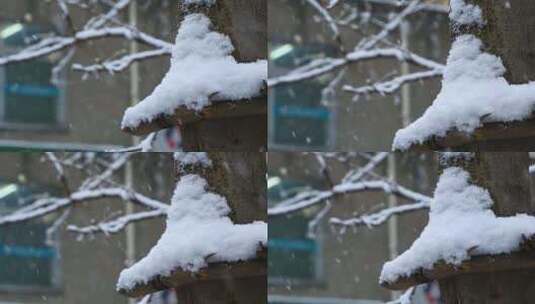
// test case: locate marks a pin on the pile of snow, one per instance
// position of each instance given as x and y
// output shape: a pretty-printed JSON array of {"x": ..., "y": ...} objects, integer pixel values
[
  {"x": 193, "y": 158},
  {"x": 198, "y": 232},
  {"x": 461, "y": 225},
  {"x": 202, "y": 70},
  {"x": 473, "y": 91},
  {"x": 465, "y": 14}
]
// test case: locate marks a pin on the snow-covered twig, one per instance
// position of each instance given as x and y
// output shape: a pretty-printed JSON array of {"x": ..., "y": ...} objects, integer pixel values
[
  {"x": 378, "y": 218},
  {"x": 57, "y": 43},
  {"x": 357, "y": 174},
  {"x": 118, "y": 65},
  {"x": 357, "y": 180},
  {"x": 393, "y": 85},
  {"x": 326, "y": 16},
  {"x": 117, "y": 224},
  {"x": 327, "y": 65},
  {"x": 95, "y": 181},
  {"x": 146, "y": 145},
  {"x": 393, "y": 24},
  {"x": 46, "y": 206},
  {"x": 314, "y": 197},
  {"x": 99, "y": 185},
  {"x": 405, "y": 298},
  {"x": 99, "y": 21}
]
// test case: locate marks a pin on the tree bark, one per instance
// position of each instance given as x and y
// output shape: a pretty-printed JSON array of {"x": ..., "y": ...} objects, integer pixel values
[
  {"x": 231, "y": 291},
  {"x": 508, "y": 33}
]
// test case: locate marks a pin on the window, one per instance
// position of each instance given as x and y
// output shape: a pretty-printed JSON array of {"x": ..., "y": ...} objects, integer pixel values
[
  {"x": 28, "y": 263},
  {"x": 298, "y": 117},
  {"x": 28, "y": 97},
  {"x": 293, "y": 256}
]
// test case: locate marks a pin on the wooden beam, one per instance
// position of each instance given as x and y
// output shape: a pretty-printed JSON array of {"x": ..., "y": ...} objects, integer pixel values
[
  {"x": 221, "y": 109},
  {"x": 521, "y": 260},
  {"x": 490, "y": 135},
  {"x": 213, "y": 272}
]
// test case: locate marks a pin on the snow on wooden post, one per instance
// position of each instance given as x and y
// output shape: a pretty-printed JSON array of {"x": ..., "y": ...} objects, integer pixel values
[
  {"x": 504, "y": 277},
  {"x": 216, "y": 87},
  {"x": 487, "y": 101},
  {"x": 232, "y": 182}
]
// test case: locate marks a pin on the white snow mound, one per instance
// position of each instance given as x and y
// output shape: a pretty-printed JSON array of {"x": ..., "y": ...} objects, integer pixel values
[
  {"x": 473, "y": 91},
  {"x": 193, "y": 158},
  {"x": 465, "y": 14},
  {"x": 198, "y": 232},
  {"x": 202, "y": 70},
  {"x": 461, "y": 225}
]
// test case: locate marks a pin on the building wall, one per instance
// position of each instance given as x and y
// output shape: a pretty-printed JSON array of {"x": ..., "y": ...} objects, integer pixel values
[
  {"x": 94, "y": 104},
  {"x": 89, "y": 267},
  {"x": 352, "y": 260},
  {"x": 369, "y": 122}
]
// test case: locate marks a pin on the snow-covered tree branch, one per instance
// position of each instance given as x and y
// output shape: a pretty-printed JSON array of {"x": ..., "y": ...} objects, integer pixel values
[
  {"x": 356, "y": 180},
  {"x": 101, "y": 26},
  {"x": 375, "y": 44},
  {"x": 101, "y": 181}
]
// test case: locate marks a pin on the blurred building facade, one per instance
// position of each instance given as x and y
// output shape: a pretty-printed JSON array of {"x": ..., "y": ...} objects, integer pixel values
[
  {"x": 69, "y": 268},
  {"x": 44, "y": 107},
  {"x": 304, "y": 117},
  {"x": 339, "y": 267}
]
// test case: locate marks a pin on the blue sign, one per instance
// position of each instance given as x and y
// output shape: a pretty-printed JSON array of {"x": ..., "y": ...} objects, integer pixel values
[
  {"x": 319, "y": 113},
  {"x": 31, "y": 90},
  {"x": 27, "y": 251},
  {"x": 292, "y": 244}
]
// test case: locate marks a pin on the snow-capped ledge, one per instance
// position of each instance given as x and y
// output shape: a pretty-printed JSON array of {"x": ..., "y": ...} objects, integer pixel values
[
  {"x": 461, "y": 227},
  {"x": 202, "y": 71},
  {"x": 473, "y": 92},
  {"x": 199, "y": 233}
]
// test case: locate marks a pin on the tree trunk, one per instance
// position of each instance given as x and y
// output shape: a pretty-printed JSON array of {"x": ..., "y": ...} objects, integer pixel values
[
  {"x": 505, "y": 175},
  {"x": 509, "y": 34},
  {"x": 231, "y": 291},
  {"x": 245, "y": 22},
  {"x": 240, "y": 178}
]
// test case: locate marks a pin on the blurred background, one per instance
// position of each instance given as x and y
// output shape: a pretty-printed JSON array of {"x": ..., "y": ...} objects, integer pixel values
[
  {"x": 41, "y": 261},
  {"x": 317, "y": 113},
  {"x": 312, "y": 260},
  {"x": 47, "y": 105}
]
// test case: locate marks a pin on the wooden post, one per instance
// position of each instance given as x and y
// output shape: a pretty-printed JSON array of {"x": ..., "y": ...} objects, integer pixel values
[{"x": 505, "y": 176}]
